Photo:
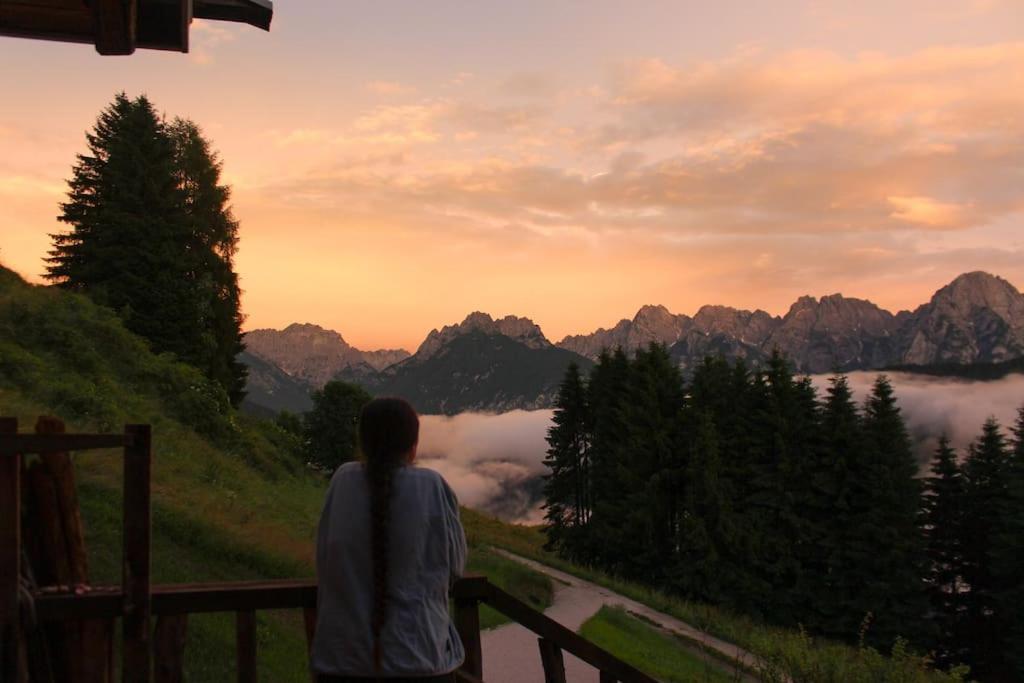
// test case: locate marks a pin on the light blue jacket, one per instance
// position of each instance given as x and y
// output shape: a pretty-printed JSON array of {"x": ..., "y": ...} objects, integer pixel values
[{"x": 427, "y": 553}]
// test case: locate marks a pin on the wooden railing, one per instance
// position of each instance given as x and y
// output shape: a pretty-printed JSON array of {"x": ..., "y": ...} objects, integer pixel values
[{"x": 149, "y": 654}]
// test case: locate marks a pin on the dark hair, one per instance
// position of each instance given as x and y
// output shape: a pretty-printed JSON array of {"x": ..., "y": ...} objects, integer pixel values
[{"x": 388, "y": 429}]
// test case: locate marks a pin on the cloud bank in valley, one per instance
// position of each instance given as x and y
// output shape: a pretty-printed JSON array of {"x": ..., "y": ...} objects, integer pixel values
[{"x": 494, "y": 462}]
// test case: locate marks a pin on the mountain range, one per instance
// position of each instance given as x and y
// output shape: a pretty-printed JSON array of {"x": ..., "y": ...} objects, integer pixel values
[{"x": 508, "y": 363}]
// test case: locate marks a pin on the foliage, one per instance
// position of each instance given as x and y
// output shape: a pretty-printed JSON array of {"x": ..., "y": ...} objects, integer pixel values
[
  {"x": 329, "y": 429},
  {"x": 746, "y": 491},
  {"x": 151, "y": 237}
]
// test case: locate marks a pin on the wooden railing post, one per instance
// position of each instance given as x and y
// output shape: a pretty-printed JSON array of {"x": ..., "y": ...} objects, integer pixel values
[
  {"x": 467, "y": 623},
  {"x": 169, "y": 648},
  {"x": 10, "y": 558},
  {"x": 136, "y": 646},
  {"x": 245, "y": 639},
  {"x": 551, "y": 659},
  {"x": 607, "y": 678}
]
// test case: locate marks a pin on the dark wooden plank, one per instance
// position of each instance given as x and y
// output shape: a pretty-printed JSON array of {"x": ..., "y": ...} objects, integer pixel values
[
  {"x": 568, "y": 640},
  {"x": 467, "y": 623},
  {"x": 68, "y": 25},
  {"x": 607, "y": 678},
  {"x": 552, "y": 661},
  {"x": 167, "y": 599},
  {"x": 135, "y": 647},
  {"x": 115, "y": 25},
  {"x": 471, "y": 587},
  {"x": 62, "y": 472},
  {"x": 25, "y": 444},
  {"x": 169, "y": 648},
  {"x": 309, "y": 621},
  {"x": 463, "y": 677},
  {"x": 245, "y": 638},
  {"x": 10, "y": 558}
]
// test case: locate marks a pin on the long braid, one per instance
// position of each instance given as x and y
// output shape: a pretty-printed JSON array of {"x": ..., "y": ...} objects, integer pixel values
[
  {"x": 381, "y": 478},
  {"x": 388, "y": 431}
]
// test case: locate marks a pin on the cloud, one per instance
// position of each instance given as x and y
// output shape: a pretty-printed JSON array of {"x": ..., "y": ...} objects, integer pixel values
[
  {"x": 389, "y": 88},
  {"x": 492, "y": 462}
]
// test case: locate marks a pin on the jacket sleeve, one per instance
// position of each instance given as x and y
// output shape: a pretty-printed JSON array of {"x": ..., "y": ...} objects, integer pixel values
[{"x": 456, "y": 534}]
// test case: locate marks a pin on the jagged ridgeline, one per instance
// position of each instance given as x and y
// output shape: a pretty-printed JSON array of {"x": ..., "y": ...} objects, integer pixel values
[{"x": 494, "y": 365}]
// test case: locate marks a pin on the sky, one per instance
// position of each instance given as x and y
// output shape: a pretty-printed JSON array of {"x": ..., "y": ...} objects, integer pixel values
[{"x": 397, "y": 165}]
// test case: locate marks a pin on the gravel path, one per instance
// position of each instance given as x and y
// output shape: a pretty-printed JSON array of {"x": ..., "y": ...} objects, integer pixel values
[{"x": 510, "y": 652}]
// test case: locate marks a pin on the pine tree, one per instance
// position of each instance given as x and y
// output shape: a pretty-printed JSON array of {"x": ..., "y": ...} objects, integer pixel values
[
  {"x": 567, "y": 485},
  {"x": 986, "y": 497},
  {"x": 943, "y": 517},
  {"x": 842, "y": 481},
  {"x": 1008, "y": 558},
  {"x": 890, "y": 535},
  {"x": 151, "y": 237},
  {"x": 607, "y": 397},
  {"x": 213, "y": 241},
  {"x": 646, "y": 475},
  {"x": 329, "y": 430}
]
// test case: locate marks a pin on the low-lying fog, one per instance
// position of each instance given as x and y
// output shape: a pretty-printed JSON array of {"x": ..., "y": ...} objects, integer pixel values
[{"x": 495, "y": 462}]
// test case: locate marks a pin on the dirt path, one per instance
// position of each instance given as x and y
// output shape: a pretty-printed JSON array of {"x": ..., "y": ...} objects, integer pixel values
[{"x": 510, "y": 652}]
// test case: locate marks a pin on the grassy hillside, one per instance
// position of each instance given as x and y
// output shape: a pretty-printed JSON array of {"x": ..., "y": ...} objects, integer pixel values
[{"x": 232, "y": 499}]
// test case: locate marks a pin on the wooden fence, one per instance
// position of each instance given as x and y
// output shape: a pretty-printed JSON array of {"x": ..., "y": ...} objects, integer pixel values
[{"x": 151, "y": 653}]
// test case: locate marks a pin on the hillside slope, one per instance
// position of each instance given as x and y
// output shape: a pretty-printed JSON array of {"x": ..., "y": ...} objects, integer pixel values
[{"x": 232, "y": 499}]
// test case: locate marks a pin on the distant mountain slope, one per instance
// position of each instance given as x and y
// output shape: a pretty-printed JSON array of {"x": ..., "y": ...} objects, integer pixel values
[
  {"x": 314, "y": 355},
  {"x": 272, "y": 389},
  {"x": 477, "y": 371}
]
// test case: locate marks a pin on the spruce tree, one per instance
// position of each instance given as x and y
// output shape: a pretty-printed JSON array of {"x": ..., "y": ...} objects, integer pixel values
[
  {"x": 151, "y": 237},
  {"x": 943, "y": 517},
  {"x": 567, "y": 484},
  {"x": 213, "y": 241},
  {"x": 607, "y": 398},
  {"x": 986, "y": 471},
  {"x": 329, "y": 430},
  {"x": 890, "y": 535},
  {"x": 840, "y": 612},
  {"x": 1008, "y": 558}
]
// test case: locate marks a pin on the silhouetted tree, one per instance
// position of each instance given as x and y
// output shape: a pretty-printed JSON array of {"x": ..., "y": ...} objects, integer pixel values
[
  {"x": 151, "y": 236},
  {"x": 330, "y": 427},
  {"x": 1008, "y": 558},
  {"x": 943, "y": 518},
  {"x": 985, "y": 471},
  {"x": 567, "y": 484}
]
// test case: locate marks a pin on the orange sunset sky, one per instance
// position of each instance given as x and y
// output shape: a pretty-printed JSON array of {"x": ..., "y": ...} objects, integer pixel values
[{"x": 397, "y": 165}]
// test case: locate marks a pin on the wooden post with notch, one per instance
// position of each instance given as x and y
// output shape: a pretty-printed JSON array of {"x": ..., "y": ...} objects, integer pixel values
[
  {"x": 10, "y": 558},
  {"x": 136, "y": 645},
  {"x": 551, "y": 659},
  {"x": 467, "y": 623}
]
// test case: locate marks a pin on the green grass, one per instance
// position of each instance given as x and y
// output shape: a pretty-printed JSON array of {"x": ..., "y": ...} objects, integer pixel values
[
  {"x": 649, "y": 649},
  {"x": 531, "y": 587}
]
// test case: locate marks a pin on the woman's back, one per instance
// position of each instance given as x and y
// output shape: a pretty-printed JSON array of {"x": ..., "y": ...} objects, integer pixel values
[{"x": 426, "y": 551}]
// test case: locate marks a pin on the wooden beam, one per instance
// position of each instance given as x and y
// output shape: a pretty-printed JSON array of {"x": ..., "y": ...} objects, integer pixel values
[
  {"x": 245, "y": 639},
  {"x": 467, "y": 623},
  {"x": 552, "y": 661},
  {"x": 169, "y": 648},
  {"x": 135, "y": 648},
  {"x": 10, "y": 559},
  {"x": 566, "y": 639},
  {"x": 25, "y": 444},
  {"x": 115, "y": 26}
]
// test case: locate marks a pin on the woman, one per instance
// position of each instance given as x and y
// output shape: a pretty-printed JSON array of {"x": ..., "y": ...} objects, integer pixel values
[{"x": 389, "y": 547}]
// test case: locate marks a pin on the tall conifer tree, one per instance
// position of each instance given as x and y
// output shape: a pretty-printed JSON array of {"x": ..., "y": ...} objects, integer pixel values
[
  {"x": 896, "y": 596},
  {"x": 1008, "y": 560},
  {"x": 943, "y": 518},
  {"x": 567, "y": 489},
  {"x": 152, "y": 237},
  {"x": 986, "y": 472}
]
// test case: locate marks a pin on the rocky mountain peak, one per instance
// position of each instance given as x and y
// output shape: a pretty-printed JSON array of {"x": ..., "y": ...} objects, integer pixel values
[
  {"x": 521, "y": 329},
  {"x": 980, "y": 289}
]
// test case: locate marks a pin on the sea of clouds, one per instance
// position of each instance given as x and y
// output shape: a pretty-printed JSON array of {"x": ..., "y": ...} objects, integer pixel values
[{"x": 494, "y": 462}]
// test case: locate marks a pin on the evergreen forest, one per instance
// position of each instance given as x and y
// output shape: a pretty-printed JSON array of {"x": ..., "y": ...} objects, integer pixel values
[{"x": 749, "y": 490}]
